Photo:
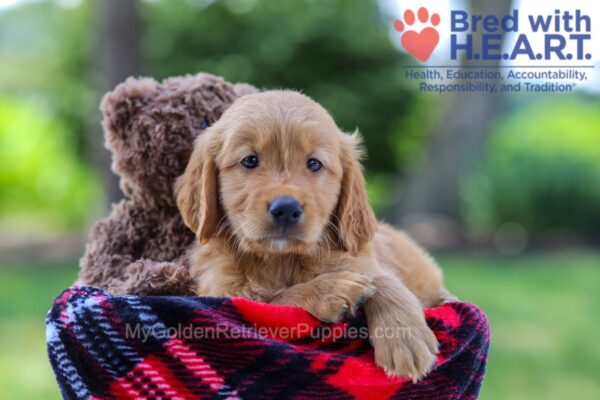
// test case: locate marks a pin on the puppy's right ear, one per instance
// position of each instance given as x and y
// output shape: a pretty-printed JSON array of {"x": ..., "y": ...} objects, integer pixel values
[{"x": 196, "y": 190}]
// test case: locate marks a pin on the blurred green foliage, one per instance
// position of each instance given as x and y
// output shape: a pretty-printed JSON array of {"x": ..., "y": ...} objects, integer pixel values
[
  {"x": 541, "y": 170},
  {"x": 338, "y": 52},
  {"x": 47, "y": 55},
  {"x": 537, "y": 171},
  {"x": 41, "y": 180},
  {"x": 46, "y": 183}
]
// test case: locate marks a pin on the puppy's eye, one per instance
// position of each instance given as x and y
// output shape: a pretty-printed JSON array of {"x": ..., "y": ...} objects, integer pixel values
[
  {"x": 314, "y": 165},
  {"x": 250, "y": 162}
]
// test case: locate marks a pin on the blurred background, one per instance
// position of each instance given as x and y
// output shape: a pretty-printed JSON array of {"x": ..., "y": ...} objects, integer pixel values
[{"x": 505, "y": 190}]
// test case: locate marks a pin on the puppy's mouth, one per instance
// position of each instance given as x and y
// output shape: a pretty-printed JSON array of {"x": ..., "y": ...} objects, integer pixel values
[
  {"x": 281, "y": 239},
  {"x": 281, "y": 242},
  {"x": 275, "y": 239},
  {"x": 278, "y": 243}
]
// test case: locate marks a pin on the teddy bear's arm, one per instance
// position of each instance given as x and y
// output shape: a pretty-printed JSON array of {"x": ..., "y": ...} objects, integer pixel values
[{"x": 116, "y": 257}]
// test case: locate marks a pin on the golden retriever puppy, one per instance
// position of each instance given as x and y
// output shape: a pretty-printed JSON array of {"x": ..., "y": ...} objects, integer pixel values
[{"x": 276, "y": 195}]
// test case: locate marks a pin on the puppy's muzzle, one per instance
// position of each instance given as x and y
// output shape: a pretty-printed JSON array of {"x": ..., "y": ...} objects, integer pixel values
[{"x": 285, "y": 211}]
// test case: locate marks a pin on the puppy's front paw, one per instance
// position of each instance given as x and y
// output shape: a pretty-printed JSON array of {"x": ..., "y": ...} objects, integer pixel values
[
  {"x": 403, "y": 349},
  {"x": 335, "y": 295}
]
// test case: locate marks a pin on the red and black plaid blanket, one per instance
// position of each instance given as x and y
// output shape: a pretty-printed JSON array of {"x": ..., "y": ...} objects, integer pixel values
[{"x": 108, "y": 347}]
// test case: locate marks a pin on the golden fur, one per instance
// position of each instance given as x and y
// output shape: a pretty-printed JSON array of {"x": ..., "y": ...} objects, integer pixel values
[{"x": 336, "y": 258}]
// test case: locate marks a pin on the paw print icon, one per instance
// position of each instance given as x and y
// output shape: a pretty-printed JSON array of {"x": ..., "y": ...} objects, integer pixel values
[{"x": 419, "y": 44}]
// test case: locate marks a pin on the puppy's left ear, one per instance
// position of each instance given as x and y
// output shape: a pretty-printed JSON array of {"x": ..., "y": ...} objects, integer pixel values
[
  {"x": 196, "y": 190},
  {"x": 355, "y": 218}
]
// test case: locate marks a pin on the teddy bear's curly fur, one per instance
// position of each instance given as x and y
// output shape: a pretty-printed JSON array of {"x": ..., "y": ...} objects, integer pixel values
[{"x": 150, "y": 128}]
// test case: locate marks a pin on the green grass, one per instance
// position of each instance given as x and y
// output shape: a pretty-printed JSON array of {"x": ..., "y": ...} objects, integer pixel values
[
  {"x": 542, "y": 309},
  {"x": 26, "y": 293},
  {"x": 544, "y": 321}
]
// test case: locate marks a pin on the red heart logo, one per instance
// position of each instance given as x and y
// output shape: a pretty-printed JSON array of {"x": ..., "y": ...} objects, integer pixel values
[{"x": 421, "y": 44}]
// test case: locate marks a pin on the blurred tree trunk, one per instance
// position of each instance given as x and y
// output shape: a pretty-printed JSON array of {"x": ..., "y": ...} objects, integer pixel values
[
  {"x": 118, "y": 56},
  {"x": 457, "y": 141}
]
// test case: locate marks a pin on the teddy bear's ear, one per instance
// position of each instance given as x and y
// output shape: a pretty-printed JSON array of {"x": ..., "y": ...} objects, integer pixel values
[
  {"x": 122, "y": 104},
  {"x": 242, "y": 89},
  {"x": 197, "y": 193}
]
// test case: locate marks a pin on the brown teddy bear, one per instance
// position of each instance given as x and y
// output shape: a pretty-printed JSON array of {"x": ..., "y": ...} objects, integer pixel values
[{"x": 150, "y": 128}]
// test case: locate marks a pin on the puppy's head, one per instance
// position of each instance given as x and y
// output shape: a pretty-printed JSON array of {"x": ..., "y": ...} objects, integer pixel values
[{"x": 280, "y": 176}]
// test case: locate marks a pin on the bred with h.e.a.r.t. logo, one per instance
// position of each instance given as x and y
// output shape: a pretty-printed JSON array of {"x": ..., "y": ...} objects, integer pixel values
[{"x": 561, "y": 35}]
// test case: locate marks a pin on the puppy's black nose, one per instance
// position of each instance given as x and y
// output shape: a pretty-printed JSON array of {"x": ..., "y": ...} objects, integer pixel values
[{"x": 285, "y": 211}]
